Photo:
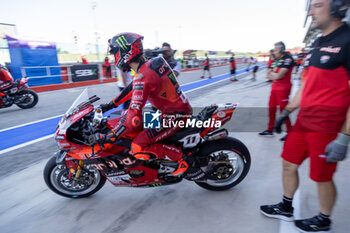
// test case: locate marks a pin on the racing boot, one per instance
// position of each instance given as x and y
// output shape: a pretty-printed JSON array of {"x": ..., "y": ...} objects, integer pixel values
[
  {"x": 181, "y": 168},
  {"x": 187, "y": 167}
]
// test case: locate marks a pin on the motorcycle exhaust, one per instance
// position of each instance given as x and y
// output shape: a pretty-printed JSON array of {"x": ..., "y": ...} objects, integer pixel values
[{"x": 216, "y": 135}]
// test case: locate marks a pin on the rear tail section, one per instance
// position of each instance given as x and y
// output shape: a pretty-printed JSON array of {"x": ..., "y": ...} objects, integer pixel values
[{"x": 217, "y": 113}]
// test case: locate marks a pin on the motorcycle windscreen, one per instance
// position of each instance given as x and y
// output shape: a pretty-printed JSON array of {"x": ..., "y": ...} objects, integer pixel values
[{"x": 83, "y": 97}]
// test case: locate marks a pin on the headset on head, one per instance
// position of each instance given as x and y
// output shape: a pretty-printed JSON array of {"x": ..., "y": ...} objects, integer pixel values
[
  {"x": 282, "y": 46},
  {"x": 339, "y": 8}
]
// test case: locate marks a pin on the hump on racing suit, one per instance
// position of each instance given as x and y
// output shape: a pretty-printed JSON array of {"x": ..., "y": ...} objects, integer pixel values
[
  {"x": 6, "y": 79},
  {"x": 166, "y": 95}
]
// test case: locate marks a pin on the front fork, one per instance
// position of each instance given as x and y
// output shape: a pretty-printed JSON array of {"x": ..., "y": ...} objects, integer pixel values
[
  {"x": 71, "y": 165},
  {"x": 79, "y": 169},
  {"x": 76, "y": 168}
]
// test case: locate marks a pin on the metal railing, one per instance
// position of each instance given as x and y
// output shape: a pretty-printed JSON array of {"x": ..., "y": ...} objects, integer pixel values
[
  {"x": 25, "y": 71},
  {"x": 48, "y": 72}
]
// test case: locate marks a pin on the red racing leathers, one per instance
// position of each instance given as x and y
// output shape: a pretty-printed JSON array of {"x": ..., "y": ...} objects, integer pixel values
[
  {"x": 6, "y": 80},
  {"x": 154, "y": 81}
]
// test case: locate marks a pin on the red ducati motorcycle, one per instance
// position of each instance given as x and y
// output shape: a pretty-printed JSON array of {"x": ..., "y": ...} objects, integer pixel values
[
  {"x": 79, "y": 170},
  {"x": 20, "y": 95}
]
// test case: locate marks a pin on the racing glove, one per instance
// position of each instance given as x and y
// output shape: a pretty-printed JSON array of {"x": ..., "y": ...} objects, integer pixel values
[
  {"x": 97, "y": 138},
  {"x": 106, "y": 107},
  {"x": 280, "y": 120},
  {"x": 336, "y": 150}
]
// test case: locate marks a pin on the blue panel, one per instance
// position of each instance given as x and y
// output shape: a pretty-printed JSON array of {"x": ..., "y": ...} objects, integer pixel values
[
  {"x": 27, "y": 54},
  {"x": 41, "y": 57},
  {"x": 16, "y": 62}
]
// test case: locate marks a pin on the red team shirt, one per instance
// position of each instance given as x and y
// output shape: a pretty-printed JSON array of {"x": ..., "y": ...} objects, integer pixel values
[
  {"x": 233, "y": 63},
  {"x": 283, "y": 84},
  {"x": 323, "y": 105},
  {"x": 326, "y": 95},
  {"x": 206, "y": 62}
]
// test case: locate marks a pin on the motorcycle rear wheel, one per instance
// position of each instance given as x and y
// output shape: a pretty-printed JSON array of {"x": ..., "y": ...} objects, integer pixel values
[
  {"x": 238, "y": 156},
  {"x": 31, "y": 98},
  {"x": 55, "y": 176}
]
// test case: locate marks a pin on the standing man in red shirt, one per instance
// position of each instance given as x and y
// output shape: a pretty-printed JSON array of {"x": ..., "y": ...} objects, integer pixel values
[
  {"x": 206, "y": 66},
  {"x": 107, "y": 67},
  {"x": 233, "y": 68},
  {"x": 322, "y": 129},
  {"x": 280, "y": 73}
]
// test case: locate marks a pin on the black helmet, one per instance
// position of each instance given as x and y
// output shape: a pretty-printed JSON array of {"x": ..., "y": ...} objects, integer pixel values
[{"x": 125, "y": 47}]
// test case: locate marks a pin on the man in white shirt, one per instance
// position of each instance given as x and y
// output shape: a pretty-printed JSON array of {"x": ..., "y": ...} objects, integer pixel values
[{"x": 254, "y": 62}]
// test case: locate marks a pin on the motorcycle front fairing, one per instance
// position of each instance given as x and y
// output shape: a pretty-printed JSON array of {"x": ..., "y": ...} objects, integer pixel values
[{"x": 78, "y": 149}]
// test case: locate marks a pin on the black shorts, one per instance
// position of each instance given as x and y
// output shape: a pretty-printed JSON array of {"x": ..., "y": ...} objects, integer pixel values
[
  {"x": 255, "y": 69},
  {"x": 233, "y": 71},
  {"x": 206, "y": 68}
]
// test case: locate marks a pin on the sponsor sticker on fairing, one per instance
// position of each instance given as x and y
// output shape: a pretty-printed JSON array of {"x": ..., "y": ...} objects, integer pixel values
[
  {"x": 119, "y": 178},
  {"x": 221, "y": 114}
]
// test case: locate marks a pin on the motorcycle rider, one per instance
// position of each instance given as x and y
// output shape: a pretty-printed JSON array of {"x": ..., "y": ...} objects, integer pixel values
[
  {"x": 155, "y": 81},
  {"x": 6, "y": 81}
]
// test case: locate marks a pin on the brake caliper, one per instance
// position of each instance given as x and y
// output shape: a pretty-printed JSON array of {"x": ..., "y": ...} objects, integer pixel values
[{"x": 72, "y": 167}]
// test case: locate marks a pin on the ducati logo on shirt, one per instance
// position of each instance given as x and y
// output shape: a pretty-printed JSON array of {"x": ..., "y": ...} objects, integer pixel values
[
  {"x": 324, "y": 59},
  {"x": 288, "y": 61}
]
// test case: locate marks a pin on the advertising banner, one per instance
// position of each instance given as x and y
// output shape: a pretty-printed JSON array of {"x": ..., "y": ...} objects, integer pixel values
[{"x": 84, "y": 72}]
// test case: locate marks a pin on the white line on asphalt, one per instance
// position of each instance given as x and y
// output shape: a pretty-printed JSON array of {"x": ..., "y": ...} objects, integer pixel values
[
  {"x": 33, "y": 122},
  {"x": 212, "y": 77},
  {"x": 183, "y": 84},
  {"x": 26, "y": 144},
  {"x": 213, "y": 82}
]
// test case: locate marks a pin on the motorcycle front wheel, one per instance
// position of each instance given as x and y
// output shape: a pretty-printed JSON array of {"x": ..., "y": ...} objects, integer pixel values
[
  {"x": 56, "y": 178},
  {"x": 229, "y": 163}
]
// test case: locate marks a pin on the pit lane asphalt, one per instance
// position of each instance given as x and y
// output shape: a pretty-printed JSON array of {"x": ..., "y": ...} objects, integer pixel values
[{"x": 27, "y": 205}]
